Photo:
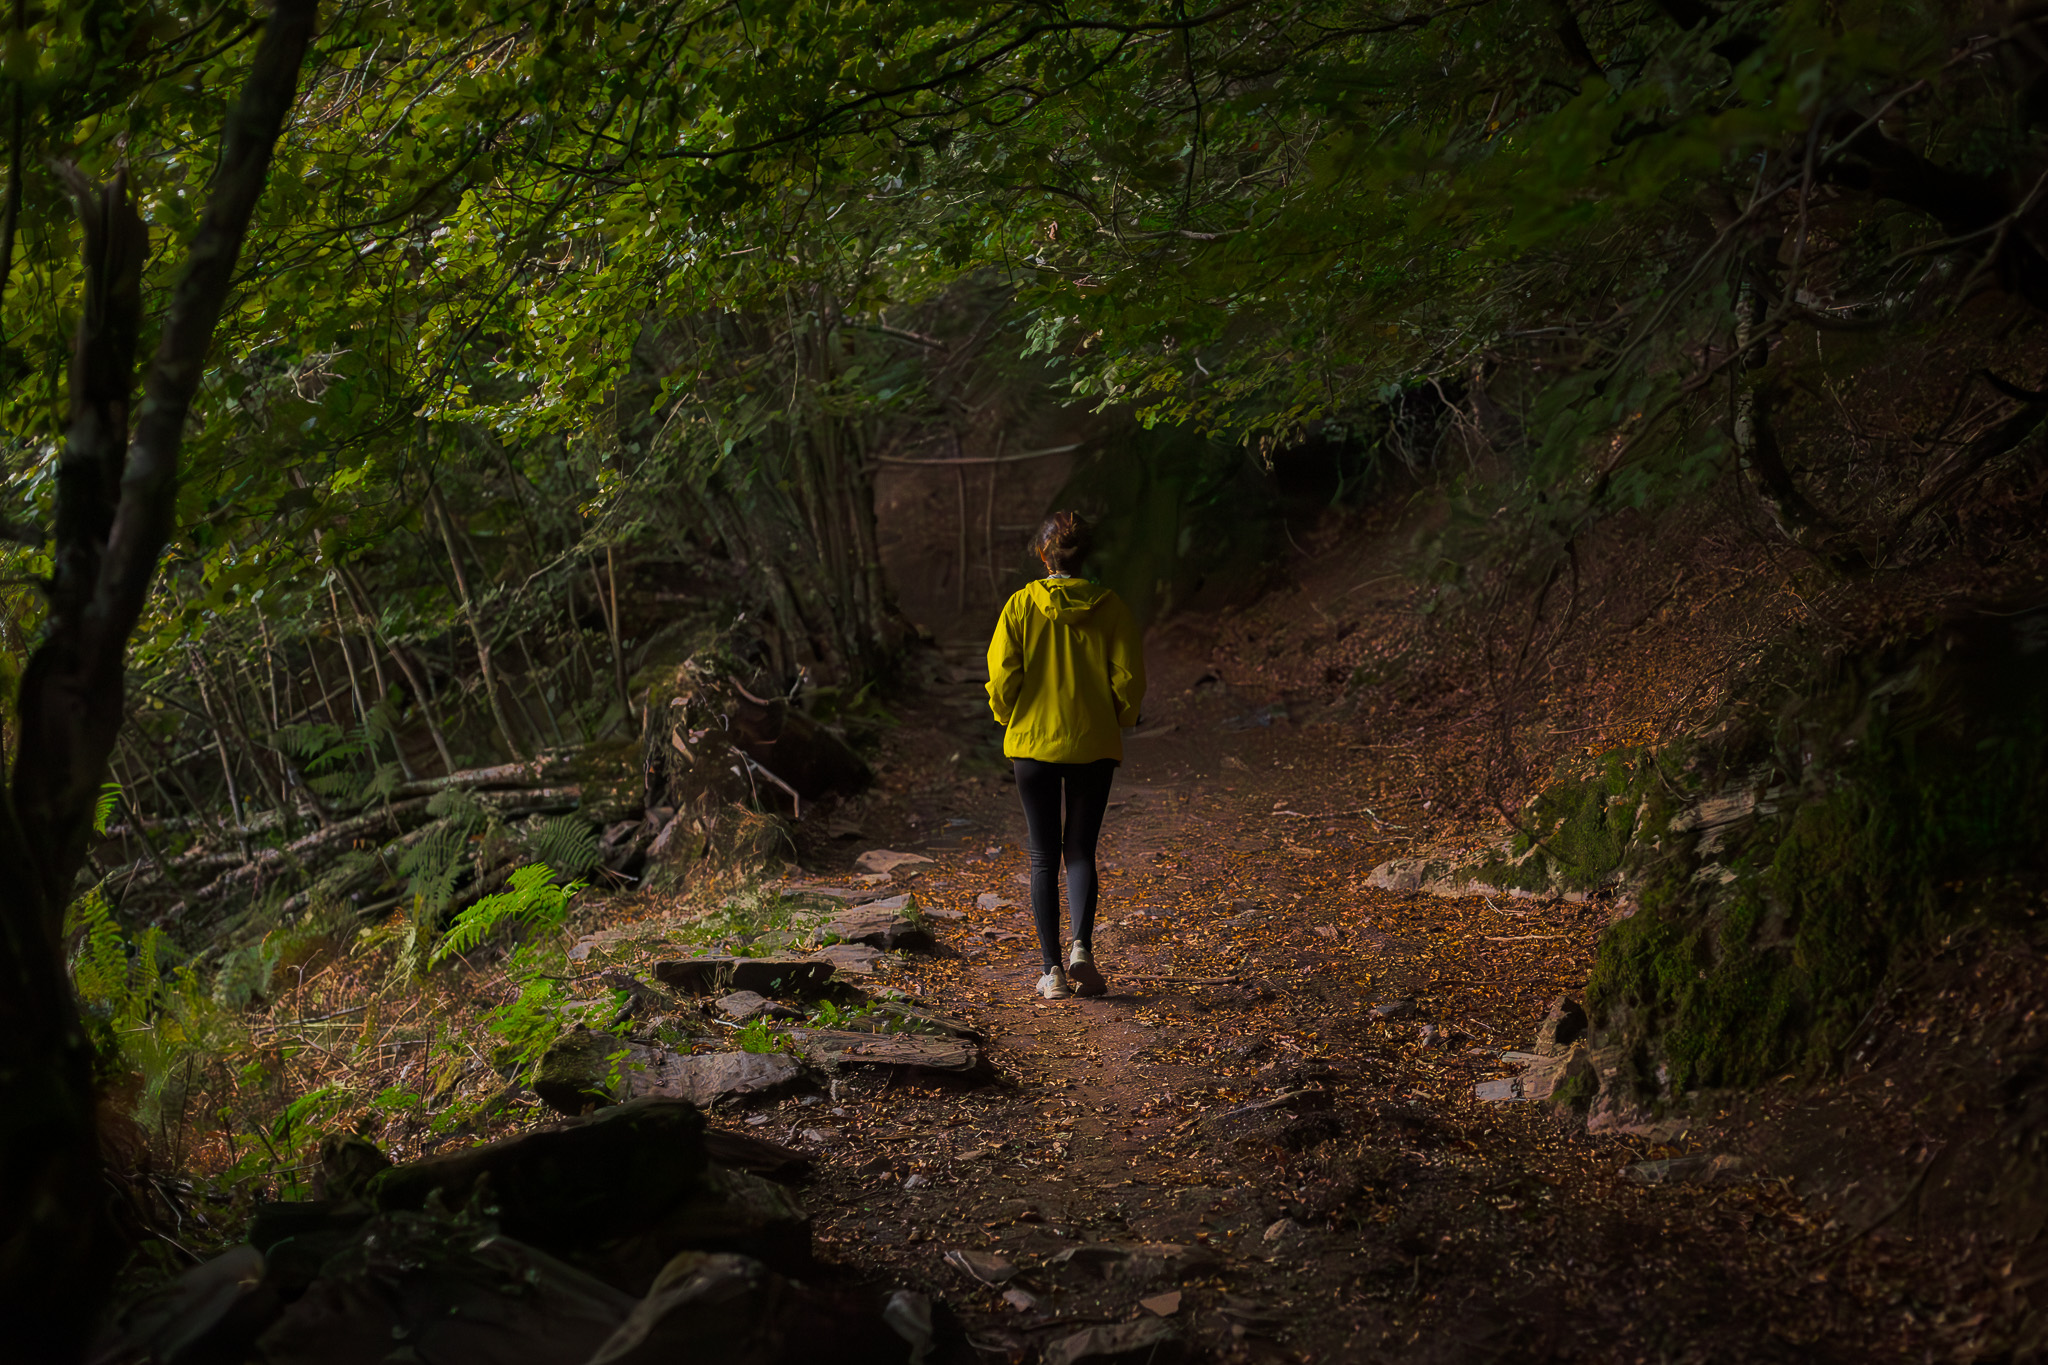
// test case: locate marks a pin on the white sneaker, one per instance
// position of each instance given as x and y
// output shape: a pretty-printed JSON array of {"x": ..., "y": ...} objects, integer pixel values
[
  {"x": 1081, "y": 967},
  {"x": 1053, "y": 985}
]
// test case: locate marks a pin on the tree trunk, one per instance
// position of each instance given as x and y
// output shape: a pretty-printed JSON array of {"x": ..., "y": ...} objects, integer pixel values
[{"x": 116, "y": 504}]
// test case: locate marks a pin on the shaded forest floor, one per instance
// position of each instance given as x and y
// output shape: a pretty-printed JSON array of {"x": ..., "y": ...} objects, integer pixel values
[
  {"x": 1338, "y": 1190},
  {"x": 1267, "y": 1132}
]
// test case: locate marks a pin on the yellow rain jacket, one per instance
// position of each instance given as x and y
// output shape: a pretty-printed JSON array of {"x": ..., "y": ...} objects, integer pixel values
[{"x": 1066, "y": 671}]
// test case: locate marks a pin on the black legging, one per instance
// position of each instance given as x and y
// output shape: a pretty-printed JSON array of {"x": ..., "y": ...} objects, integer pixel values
[{"x": 1087, "y": 791}]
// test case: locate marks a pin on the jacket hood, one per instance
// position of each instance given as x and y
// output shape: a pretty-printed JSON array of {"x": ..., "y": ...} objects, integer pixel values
[{"x": 1065, "y": 599}]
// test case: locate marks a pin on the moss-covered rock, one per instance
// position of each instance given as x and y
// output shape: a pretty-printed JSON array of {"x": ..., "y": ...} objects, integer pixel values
[
  {"x": 1586, "y": 830},
  {"x": 1907, "y": 792}
]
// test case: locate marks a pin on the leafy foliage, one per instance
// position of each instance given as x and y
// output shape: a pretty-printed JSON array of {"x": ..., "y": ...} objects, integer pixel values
[
  {"x": 533, "y": 899},
  {"x": 566, "y": 843},
  {"x": 758, "y": 1037},
  {"x": 117, "y": 981},
  {"x": 103, "y": 809}
]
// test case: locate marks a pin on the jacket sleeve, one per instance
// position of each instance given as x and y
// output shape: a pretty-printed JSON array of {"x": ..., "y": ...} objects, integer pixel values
[
  {"x": 1126, "y": 666},
  {"x": 1005, "y": 666}
]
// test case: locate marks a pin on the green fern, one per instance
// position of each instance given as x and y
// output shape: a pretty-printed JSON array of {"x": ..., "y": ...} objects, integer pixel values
[
  {"x": 112, "y": 982},
  {"x": 103, "y": 809},
  {"x": 435, "y": 865},
  {"x": 432, "y": 867},
  {"x": 341, "y": 766},
  {"x": 566, "y": 843},
  {"x": 532, "y": 899},
  {"x": 529, "y": 1024}
]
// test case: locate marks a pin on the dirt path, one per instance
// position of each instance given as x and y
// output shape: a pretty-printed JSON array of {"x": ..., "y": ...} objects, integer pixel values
[{"x": 1236, "y": 1128}]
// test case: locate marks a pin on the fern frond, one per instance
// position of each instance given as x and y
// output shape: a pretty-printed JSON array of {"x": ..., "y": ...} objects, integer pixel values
[
  {"x": 433, "y": 866},
  {"x": 103, "y": 809},
  {"x": 532, "y": 899},
  {"x": 384, "y": 779},
  {"x": 567, "y": 843},
  {"x": 109, "y": 981},
  {"x": 99, "y": 966}
]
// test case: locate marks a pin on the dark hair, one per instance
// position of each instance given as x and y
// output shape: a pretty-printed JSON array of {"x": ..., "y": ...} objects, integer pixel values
[{"x": 1062, "y": 542}]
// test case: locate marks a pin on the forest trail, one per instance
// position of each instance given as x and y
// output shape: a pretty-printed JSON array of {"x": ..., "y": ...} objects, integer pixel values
[{"x": 1236, "y": 1140}]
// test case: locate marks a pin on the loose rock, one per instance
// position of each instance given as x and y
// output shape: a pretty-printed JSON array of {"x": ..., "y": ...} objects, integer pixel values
[
  {"x": 744, "y": 1006},
  {"x": 984, "y": 1266},
  {"x": 881, "y": 925},
  {"x": 835, "y": 1047},
  {"x": 1148, "y": 1341},
  {"x": 588, "y": 1070},
  {"x": 560, "y": 1185},
  {"x": 1283, "y": 1233},
  {"x": 856, "y": 958},
  {"x": 886, "y": 860}
]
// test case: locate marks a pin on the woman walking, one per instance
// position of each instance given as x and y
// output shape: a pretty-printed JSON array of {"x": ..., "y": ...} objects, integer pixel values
[{"x": 1066, "y": 671}]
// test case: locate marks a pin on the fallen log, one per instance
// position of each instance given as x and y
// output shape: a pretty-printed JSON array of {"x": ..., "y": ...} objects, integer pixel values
[{"x": 407, "y": 820}]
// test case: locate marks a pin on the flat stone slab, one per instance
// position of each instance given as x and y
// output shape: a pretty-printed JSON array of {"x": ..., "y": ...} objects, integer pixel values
[
  {"x": 882, "y": 925},
  {"x": 1540, "y": 1077},
  {"x": 605, "y": 940},
  {"x": 745, "y": 1006},
  {"x": 1705, "y": 1168},
  {"x": 847, "y": 1048},
  {"x": 855, "y": 958},
  {"x": 588, "y": 1068},
  {"x": 926, "y": 1021},
  {"x": 744, "y": 1152},
  {"x": 1402, "y": 875},
  {"x": 778, "y": 975},
  {"x": 1148, "y": 1341},
  {"x": 705, "y": 1078},
  {"x": 887, "y": 860},
  {"x": 984, "y": 1266}
]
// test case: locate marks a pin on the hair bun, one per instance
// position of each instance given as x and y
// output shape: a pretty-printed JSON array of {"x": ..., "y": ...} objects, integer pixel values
[{"x": 1063, "y": 541}]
